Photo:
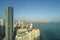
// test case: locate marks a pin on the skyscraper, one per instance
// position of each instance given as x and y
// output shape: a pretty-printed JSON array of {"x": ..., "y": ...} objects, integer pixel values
[
  {"x": 1, "y": 29},
  {"x": 9, "y": 23}
]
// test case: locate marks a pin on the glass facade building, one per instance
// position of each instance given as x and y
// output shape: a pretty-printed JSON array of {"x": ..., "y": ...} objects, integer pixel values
[
  {"x": 1, "y": 29},
  {"x": 9, "y": 23}
]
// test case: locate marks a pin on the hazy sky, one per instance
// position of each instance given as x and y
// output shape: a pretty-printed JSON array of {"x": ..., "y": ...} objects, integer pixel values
[{"x": 32, "y": 9}]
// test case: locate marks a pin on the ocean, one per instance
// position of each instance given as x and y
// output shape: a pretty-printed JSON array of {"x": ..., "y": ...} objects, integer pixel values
[{"x": 49, "y": 30}]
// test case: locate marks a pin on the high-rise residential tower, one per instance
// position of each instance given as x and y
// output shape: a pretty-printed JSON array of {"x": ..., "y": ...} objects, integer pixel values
[
  {"x": 9, "y": 23},
  {"x": 1, "y": 28}
]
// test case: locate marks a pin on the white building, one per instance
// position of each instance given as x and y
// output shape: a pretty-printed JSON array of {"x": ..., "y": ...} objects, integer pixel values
[
  {"x": 33, "y": 34},
  {"x": 22, "y": 24}
]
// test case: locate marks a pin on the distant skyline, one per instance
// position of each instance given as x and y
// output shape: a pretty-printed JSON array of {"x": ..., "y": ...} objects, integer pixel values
[{"x": 32, "y": 10}]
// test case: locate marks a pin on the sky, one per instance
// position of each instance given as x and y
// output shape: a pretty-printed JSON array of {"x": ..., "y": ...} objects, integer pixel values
[{"x": 32, "y": 10}]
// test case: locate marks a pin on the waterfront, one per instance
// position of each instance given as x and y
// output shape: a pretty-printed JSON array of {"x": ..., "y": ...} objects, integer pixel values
[{"x": 49, "y": 30}]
